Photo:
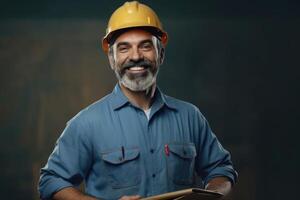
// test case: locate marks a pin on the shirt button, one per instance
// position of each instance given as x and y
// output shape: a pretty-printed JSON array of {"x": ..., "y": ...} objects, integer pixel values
[
  {"x": 153, "y": 175},
  {"x": 151, "y": 150}
]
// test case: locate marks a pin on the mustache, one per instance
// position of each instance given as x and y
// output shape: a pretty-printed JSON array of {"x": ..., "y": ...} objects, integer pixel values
[{"x": 139, "y": 63}]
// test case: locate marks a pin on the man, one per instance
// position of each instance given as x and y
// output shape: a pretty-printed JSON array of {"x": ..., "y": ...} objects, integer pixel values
[{"x": 135, "y": 142}]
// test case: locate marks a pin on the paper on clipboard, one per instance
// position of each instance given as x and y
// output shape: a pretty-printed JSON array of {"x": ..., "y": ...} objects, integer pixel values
[{"x": 187, "y": 194}]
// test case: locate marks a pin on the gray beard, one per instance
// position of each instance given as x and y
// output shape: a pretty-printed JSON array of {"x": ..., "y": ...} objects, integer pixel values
[{"x": 138, "y": 84}]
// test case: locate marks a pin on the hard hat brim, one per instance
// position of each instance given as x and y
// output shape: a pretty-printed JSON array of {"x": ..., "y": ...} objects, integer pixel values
[{"x": 110, "y": 38}]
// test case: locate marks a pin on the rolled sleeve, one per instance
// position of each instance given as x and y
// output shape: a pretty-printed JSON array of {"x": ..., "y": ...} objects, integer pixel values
[
  {"x": 226, "y": 171},
  {"x": 69, "y": 162},
  {"x": 50, "y": 185},
  {"x": 213, "y": 160}
]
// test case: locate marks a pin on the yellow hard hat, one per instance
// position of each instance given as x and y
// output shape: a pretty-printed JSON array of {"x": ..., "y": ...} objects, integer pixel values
[{"x": 130, "y": 15}]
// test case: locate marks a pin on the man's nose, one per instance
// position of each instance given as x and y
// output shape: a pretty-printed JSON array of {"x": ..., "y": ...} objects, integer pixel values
[{"x": 136, "y": 54}]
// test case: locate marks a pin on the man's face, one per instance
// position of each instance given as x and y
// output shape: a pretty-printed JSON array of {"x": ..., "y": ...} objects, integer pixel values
[{"x": 135, "y": 59}]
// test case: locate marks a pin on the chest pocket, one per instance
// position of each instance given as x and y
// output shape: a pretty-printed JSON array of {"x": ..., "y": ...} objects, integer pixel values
[
  {"x": 123, "y": 167},
  {"x": 180, "y": 162}
]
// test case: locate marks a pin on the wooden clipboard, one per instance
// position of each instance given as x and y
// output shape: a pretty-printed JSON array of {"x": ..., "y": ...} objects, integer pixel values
[{"x": 187, "y": 194}]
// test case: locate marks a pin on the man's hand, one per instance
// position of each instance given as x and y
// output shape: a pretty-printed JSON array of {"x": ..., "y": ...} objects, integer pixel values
[
  {"x": 71, "y": 193},
  {"x": 219, "y": 184},
  {"x": 135, "y": 197}
]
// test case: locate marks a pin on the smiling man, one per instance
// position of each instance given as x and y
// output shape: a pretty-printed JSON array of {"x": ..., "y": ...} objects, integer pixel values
[
  {"x": 135, "y": 142},
  {"x": 135, "y": 57}
]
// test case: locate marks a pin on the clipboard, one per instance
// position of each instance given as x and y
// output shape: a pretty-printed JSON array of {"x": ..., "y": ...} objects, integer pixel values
[{"x": 188, "y": 194}]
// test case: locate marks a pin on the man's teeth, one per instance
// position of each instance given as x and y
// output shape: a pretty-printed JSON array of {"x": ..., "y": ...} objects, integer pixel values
[{"x": 136, "y": 68}]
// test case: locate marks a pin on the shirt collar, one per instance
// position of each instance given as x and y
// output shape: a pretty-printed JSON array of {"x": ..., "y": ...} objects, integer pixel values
[
  {"x": 163, "y": 99},
  {"x": 119, "y": 99}
]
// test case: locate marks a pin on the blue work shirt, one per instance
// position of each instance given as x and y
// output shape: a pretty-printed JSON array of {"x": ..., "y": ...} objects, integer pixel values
[{"x": 117, "y": 151}]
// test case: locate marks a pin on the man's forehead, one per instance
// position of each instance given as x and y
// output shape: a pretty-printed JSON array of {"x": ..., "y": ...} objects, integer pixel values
[{"x": 134, "y": 36}]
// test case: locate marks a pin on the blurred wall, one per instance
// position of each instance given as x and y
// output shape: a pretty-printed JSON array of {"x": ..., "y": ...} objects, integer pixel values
[{"x": 239, "y": 64}]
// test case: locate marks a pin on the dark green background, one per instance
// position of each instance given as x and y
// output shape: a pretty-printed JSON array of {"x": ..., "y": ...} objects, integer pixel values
[{"x": 238, "y": 61}]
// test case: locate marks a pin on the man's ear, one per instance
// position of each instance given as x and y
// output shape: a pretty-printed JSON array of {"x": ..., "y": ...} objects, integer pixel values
[
  {"x": 162, "y": 56},
  {"x": 111, "y": 59}
]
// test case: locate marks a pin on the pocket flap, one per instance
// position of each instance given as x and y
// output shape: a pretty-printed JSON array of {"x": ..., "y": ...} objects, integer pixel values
[
  {"x": 187, "y": 150},
  {"x": 119, "y": 156}
]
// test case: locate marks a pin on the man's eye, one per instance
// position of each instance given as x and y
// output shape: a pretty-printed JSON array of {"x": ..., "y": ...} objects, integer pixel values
[
  {"x": 122, "y": 49},
  {"x": 147, "y": 46}
]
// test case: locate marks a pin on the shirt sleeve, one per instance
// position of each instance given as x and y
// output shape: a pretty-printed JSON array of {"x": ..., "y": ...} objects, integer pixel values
[
  {"x": 69, "y": 162},
  {"x": 212, "y": 159}
]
